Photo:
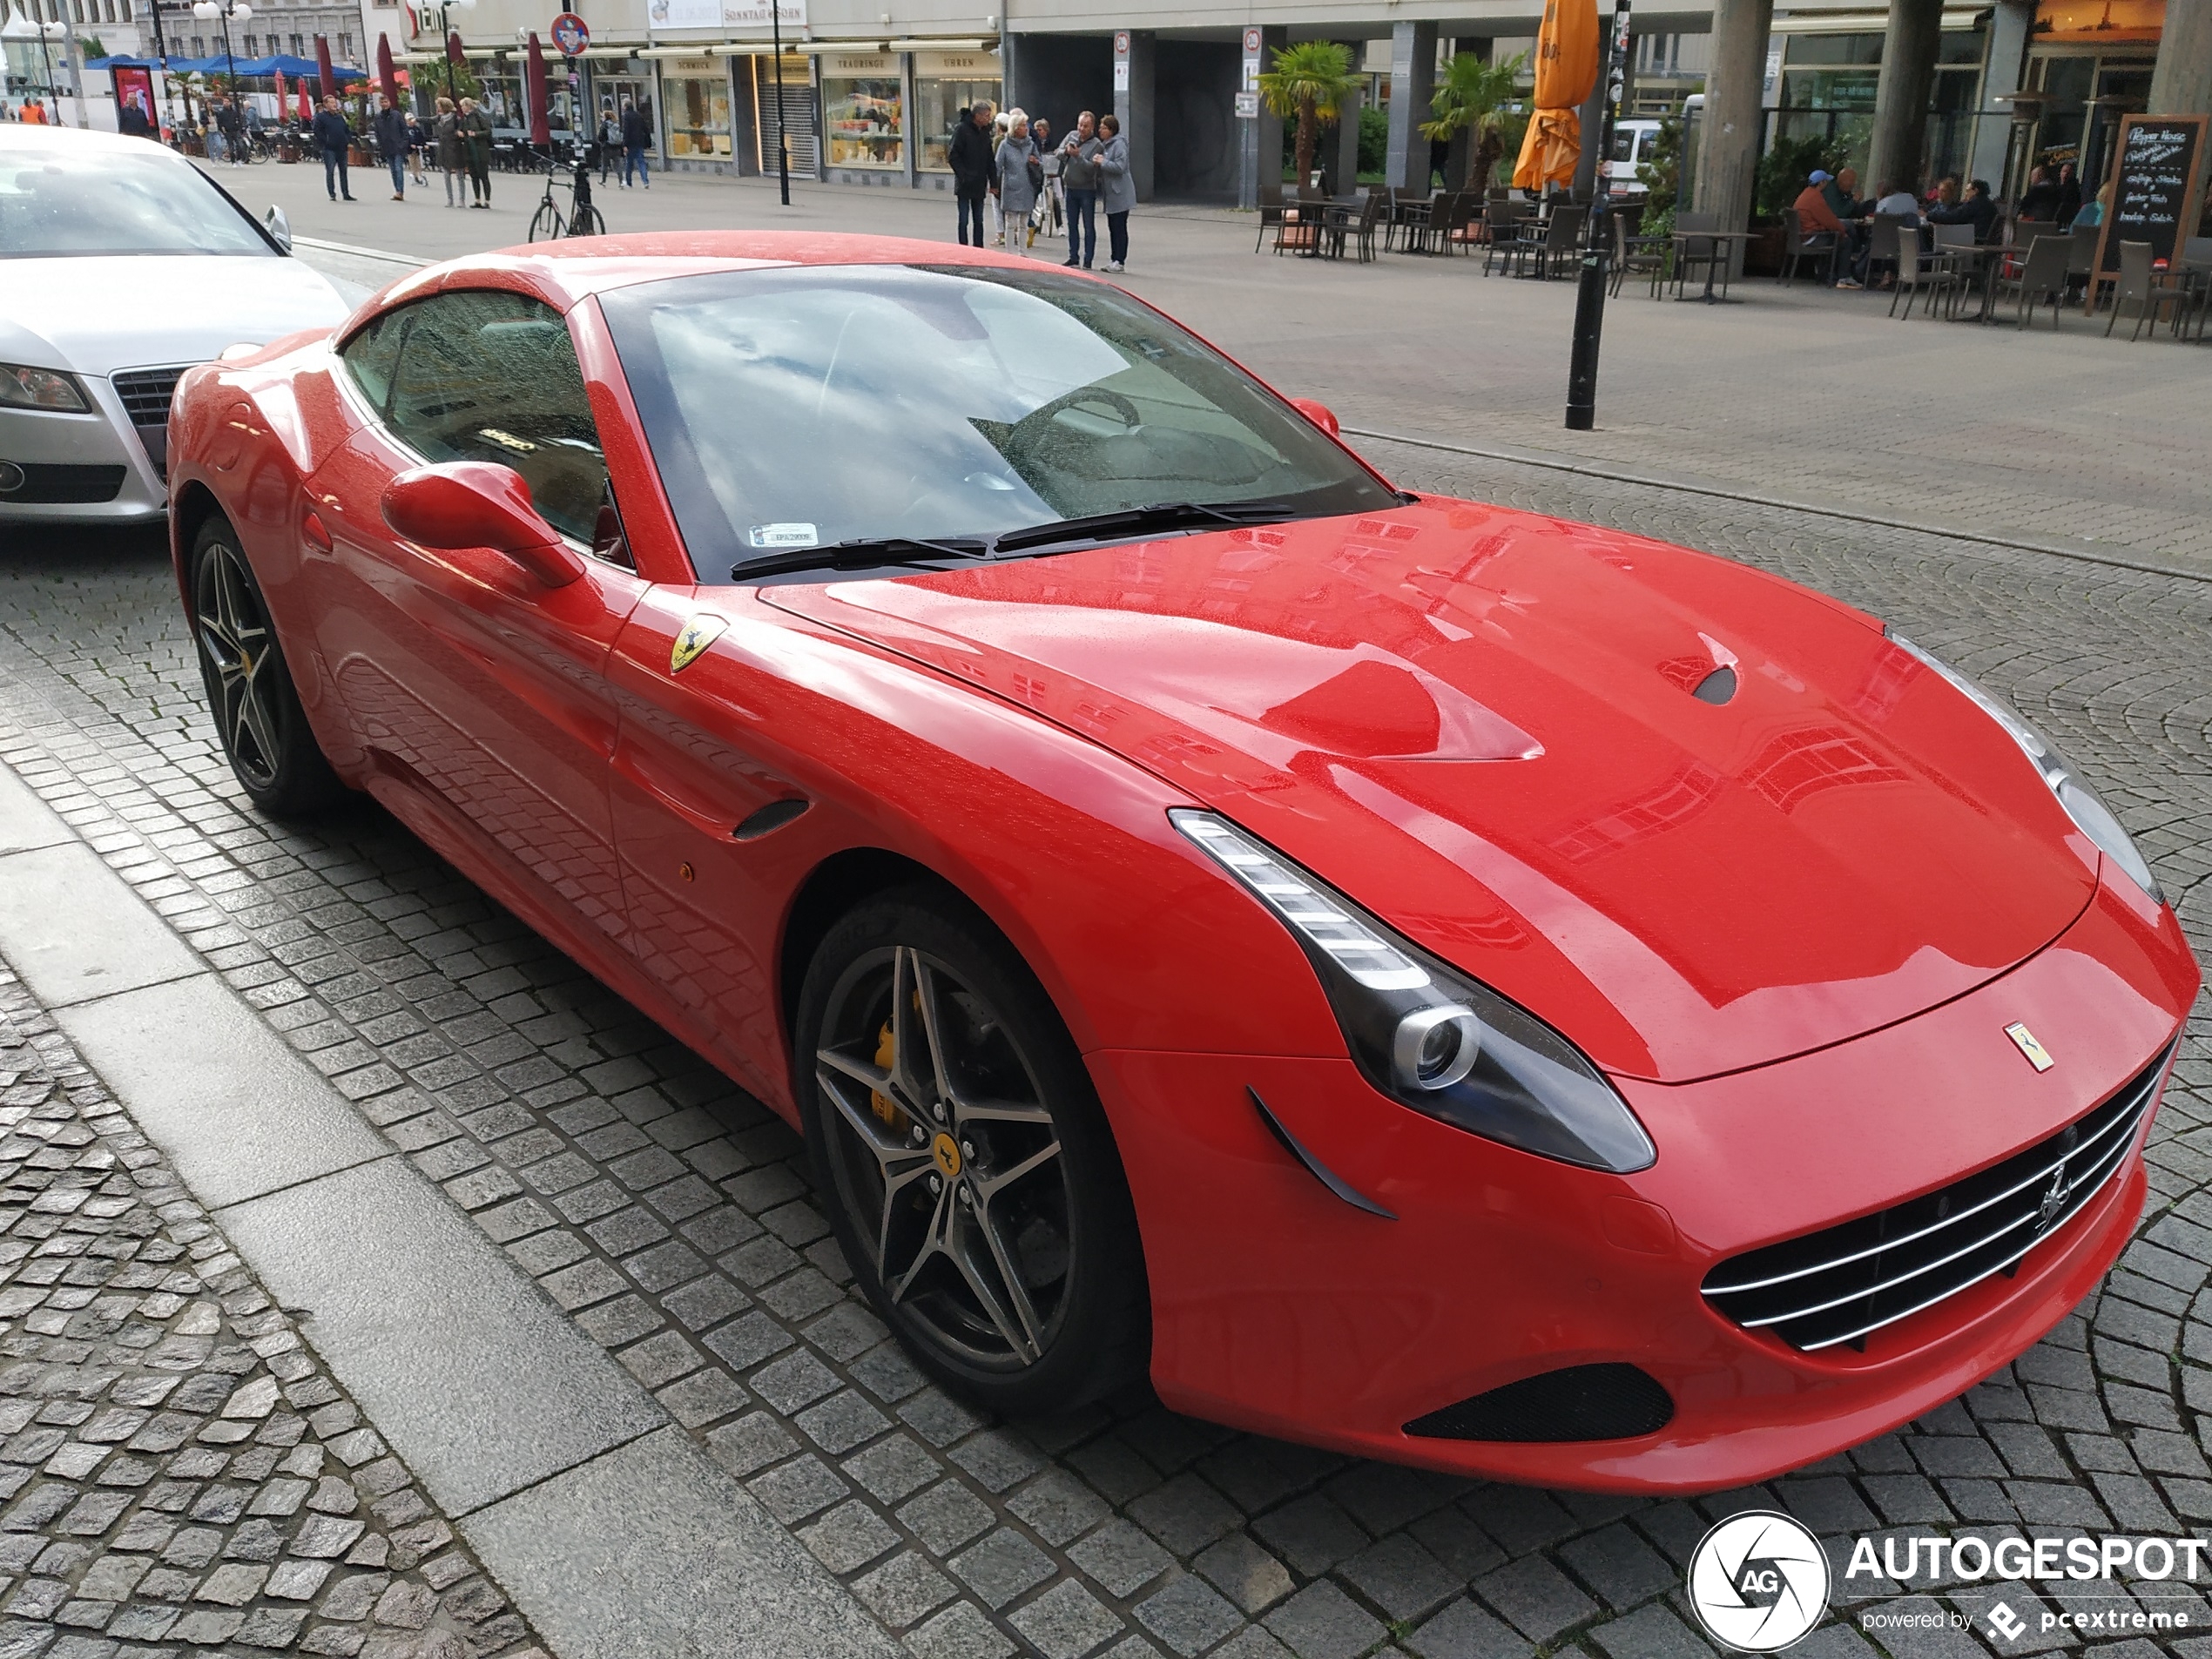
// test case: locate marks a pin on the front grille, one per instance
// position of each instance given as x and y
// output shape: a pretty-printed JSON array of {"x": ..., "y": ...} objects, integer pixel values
[
  {"x": 1605, "y": 1402},
  {"x": 59, "y": 483},
  {"x": 145, "y": 393},
  {"x": 1837, "y": 1284}
]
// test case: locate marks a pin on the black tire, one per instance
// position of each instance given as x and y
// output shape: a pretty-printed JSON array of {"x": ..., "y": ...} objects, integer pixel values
[
  {"x": 545, "y": 224},
  {"x": 587, "y": 222},
  {"x": 1054, "y": 1250},
  {"x": 264, "y": 730}
]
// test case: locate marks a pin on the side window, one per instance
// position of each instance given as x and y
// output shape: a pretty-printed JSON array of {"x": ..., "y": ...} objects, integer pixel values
[
  {"x": 370, "y": 355},
  {"x": 482, "y": 376}
]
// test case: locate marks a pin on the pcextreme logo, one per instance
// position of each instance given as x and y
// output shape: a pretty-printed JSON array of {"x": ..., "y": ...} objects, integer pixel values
[{"x": 1758, "y": 1581}]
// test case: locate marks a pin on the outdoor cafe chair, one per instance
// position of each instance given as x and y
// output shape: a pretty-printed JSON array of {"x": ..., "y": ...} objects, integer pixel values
[
  {"x": 1463, "y": 225},
  {"x": 1953, "y": 235},
  {"x": 2043, "y": 276},
  {"x": 1797, "y": 245},
  {"x": 1299, "y": 229},
  {"x": 1357, "y": 224},
  {"x": 1271, "y": 209},
  {"x": 1502, "y": 227},
  {"x": 1920, "y": 273},
  {"x": 2141, "y": 285},
  {"x": 1640, "y": 255},
  {"x": 1886, "y": 238},
  {"x": 1562, "y": 237},
  {"x": 1689, "y": 251}
]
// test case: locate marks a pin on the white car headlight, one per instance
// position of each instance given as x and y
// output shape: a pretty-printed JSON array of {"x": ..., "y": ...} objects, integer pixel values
[
  {"x": 1424, "y": 1034},
  {"x": 41, "y": 389},
  {"x": 2091, "y": 816}
]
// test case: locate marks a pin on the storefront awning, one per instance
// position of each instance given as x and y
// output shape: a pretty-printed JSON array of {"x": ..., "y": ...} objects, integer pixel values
[{"x": 1864, "y": 22}]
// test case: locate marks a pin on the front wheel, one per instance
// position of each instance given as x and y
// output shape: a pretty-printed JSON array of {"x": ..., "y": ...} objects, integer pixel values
[
  {"x": 264, "y": 730},
  {"x": 965, "y": 1160},
  {"x": 545, "y": 224}
]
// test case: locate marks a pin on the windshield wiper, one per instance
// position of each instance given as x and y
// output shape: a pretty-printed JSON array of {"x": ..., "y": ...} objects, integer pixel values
[
  {"x": 863, "y": 553},
  {"x": 1161, "y": 515}
]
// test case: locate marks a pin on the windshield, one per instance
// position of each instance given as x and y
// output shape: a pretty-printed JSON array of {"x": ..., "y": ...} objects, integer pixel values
[
  {"x": 56, "y": 201},
  {"x": 796, "y": 409}
]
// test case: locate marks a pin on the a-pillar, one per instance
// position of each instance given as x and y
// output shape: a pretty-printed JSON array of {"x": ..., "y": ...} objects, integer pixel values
[
  {"x": 1413, "y": 81},
  {"x": 1728, "y": 144},
  {"x": 1901, "y": 96},
  {"x": 1259, "y": 142},
  {"x": 2001, "y": 74},
  {"x": 2181, "y": 83},
  {"x": 1133, "y": 106}
]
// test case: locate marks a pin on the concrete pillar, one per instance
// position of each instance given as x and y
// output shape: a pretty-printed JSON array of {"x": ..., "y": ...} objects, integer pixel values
[
  {"x": 1340, "y": 148},
  {"x": 1728, "y": 143},
  {"x": 2004, "y": 71},
  {"x": 1901, "y": 96},
  {"x": 1259, "y": 155},
  {"x": 2181, "y": 82},
  {"x": 1133, "y": 106},
  {"x": 1413, "y": 80}
]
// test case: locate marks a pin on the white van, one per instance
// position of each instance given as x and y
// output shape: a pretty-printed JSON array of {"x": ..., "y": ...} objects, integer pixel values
[{"x": 1633, "y": 142}]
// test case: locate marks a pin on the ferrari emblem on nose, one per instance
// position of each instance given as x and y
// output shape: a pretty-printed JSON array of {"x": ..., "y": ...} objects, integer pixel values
[
  {"x": 699, "y": 633},
  {"x": 2024, "y": 1040}
]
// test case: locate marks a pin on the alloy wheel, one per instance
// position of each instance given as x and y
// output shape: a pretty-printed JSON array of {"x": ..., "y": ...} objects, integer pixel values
[
  {"x": 239, "y": 648},
  {"x": 946, "y": 1158}
]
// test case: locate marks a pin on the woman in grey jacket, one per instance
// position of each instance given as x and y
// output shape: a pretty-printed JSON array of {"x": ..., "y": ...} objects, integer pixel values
[
  {"x": 1016, "y": 194},
  {"x": 1116, "y": 191},
  {"x": 445, "y": 140}
]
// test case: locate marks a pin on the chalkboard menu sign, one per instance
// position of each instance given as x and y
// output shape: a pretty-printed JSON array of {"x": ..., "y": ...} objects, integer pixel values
[{"x": 2158, "y": 186}]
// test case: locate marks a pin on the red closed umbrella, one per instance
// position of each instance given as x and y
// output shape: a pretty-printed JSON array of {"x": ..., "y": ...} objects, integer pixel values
[
  {"x": 387, "y": 79},
  {"x": 533, "y": 93},
  {"x": 279, "y": 86},
  {"x": 325, "y": 78},
  {"x": 306, "y": 103}
]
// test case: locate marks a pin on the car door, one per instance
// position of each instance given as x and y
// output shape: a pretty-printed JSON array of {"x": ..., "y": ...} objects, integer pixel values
[{"x": 479, "y": 692}]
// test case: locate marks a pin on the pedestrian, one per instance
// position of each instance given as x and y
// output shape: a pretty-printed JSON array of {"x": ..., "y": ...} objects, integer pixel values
[
  {"x": 609, "y": 138},
  {"x": 1020, "y": 173},
  {"x": 1001, "y": 125},
  {"x": 446, "y": 150},
  {"x": 475, "y": 150},
  {"x": 1047, "y": 215},
  {"x": 1079, "y": 184},
  {"x": 232, "y": 117},
  {"x": 973, "y": 167},
  {"x": 34, "y": 113},
  {"x": 1116, "y": 192},
  {"x": 418, "y": 142},
  {"x": 636, "y": 133},
  {"x": 390, "y": 127},
  {"x": 334, "y": 137}
]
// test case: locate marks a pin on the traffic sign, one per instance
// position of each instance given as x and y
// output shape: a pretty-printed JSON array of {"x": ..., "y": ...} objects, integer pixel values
[{"x": 570, "y": 34}]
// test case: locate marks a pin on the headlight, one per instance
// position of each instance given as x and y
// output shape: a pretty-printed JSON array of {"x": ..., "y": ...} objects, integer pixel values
[
  {"x": 41, "y": 389},
  {"x": 2091, "y": 816},
  {"x": 1426, "y": 1034}
]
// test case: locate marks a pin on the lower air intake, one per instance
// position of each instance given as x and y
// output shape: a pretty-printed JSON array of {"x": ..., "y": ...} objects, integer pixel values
[{"x": 1611, "y": 1402}]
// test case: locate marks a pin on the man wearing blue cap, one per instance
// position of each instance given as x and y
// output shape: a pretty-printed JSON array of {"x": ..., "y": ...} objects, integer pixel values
[{"x": 1816, "y": 217}]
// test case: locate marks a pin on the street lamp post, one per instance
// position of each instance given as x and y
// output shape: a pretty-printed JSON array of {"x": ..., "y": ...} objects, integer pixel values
[
  {"x": 783, "y": 150},
  {"x": 445, "y": 34},
  {"x": 51, "y": 31},
  {"x": 213, "y": 12}
]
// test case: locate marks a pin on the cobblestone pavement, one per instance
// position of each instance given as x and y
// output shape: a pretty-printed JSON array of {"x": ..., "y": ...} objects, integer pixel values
[
  {"x": 177, "y": 1471},
  {"x": 673, "y": 1218}
]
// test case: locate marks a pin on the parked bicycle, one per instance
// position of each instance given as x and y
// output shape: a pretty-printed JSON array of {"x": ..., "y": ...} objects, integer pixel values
[{"x": 549, "y": 223}]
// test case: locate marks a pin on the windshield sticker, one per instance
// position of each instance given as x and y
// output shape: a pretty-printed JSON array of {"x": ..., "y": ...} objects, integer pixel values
[{"x": 785, "y": 536}]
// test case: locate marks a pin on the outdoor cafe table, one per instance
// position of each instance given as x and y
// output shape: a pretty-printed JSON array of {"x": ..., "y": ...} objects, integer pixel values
[
  {"x": 1974, "y": 259},
  {"x": 1709, "y": 296}
]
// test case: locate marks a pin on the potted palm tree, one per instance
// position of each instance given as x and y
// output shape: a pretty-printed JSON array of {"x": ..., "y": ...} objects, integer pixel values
[
  {"x": 1311, "y": 82},
  {"x": 1473, "y": 98}
]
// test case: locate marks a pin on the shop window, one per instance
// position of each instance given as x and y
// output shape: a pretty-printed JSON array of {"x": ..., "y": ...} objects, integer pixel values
[
  {"x": 697, "y": 109},
  {"x": 864, "y": 110},
  {"x": 945, "y": 85}
]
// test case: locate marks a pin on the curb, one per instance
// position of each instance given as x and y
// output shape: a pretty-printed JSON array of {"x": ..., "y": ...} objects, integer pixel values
[{"x": 611, "y": 1531}]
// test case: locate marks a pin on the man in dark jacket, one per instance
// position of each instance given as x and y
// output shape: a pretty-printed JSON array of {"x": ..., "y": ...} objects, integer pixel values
[
  {"x": 131, "y": 121},
  {"x": 636, "y": 133},
  {"x": 1979, "y": 210},
  {"x": 333, "y": 136},
  {"x": 974, "y": 167},
  {"x": 391, "y": 144}
]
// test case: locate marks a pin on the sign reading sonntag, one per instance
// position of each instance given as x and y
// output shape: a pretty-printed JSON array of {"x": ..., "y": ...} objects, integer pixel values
[{"x": 723, "y": 14}]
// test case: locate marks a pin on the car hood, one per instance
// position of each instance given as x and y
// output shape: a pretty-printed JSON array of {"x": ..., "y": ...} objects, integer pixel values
[
  {"x": 97, "y": 315},
  {"x": 1487, "y": 728}
]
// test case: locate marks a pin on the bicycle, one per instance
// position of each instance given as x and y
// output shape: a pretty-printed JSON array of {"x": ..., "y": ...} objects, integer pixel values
[{"x": 549, "y": 224}]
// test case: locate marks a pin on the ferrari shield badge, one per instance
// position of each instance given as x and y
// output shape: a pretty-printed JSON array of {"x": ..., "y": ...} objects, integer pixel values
[
  {"x": 2024, "y": 1040},
  {"x": 699, "y": 633}
]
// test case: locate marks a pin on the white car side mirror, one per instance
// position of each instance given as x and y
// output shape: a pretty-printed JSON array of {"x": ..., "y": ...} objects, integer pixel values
[{"x": 278, "y": 227}]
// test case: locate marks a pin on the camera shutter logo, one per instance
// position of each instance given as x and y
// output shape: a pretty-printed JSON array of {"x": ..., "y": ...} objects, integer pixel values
[{"x": 1758, "y": 1581}]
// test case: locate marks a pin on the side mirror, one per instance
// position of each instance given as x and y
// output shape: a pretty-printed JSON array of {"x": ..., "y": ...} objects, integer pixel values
[
  {"x": 477, "y": 503},
  {"x": 278, "y": 225},
  {"x": 1321, "y": 414}
]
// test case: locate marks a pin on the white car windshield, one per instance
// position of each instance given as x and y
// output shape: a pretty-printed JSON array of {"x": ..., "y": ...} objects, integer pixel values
[
  {"x": 62, "y": 202},
  {"x": 797, "y": 408}
]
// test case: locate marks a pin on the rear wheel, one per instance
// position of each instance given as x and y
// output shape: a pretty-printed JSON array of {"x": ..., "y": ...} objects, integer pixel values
[
  {"x": 965, "y": 1159},
  {"x": 587, "y": 222},
  {"x": 264, "y": 729},
  {"x": 545, "y": 224}
]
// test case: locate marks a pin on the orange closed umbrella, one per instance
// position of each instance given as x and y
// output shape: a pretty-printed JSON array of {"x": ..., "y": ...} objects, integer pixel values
[{"x": 1565, "y": 71}]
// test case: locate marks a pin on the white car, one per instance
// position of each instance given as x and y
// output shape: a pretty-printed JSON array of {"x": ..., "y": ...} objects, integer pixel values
[{"x": 121, "y": 266}]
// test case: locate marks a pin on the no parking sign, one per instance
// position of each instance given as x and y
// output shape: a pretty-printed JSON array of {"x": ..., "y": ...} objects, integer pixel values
[{"x": 570, "y": 34}]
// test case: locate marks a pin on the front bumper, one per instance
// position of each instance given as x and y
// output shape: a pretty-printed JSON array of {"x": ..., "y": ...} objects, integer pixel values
[
  {"x": 1279, "y": 1308},
  {"x": 38, "y": 443}
]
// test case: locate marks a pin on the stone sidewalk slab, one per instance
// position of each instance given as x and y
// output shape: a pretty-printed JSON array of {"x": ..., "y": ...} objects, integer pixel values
[{"x": 76, "y": 931}]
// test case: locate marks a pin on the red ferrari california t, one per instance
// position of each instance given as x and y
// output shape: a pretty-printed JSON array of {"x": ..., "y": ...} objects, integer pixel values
[{"x": 1422, "y": 979}]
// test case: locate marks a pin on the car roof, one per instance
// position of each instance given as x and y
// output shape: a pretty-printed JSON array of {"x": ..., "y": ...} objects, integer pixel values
[
  {"x": 577, "y": 267},
  {"x": 18, "y": 136}
]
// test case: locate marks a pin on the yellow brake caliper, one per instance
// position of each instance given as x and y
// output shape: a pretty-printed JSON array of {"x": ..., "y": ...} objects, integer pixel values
[{"x": 886, "y": 1056}]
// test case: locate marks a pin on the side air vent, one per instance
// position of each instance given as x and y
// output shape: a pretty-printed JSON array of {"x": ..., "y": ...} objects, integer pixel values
[{"x": 1610, "y": 1402}]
